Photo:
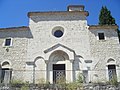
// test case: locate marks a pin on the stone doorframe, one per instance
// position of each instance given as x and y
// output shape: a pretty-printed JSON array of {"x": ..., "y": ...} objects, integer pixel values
[{"x": 60, "y": 57}]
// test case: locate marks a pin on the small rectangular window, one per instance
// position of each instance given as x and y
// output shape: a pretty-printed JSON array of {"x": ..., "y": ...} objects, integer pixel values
[
  {"x": 8, "y": 42},
  {"x": 101, "y": 36}
]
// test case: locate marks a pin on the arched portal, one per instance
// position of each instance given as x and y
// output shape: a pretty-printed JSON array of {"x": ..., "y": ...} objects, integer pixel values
[{"x": 57, "y": 65}]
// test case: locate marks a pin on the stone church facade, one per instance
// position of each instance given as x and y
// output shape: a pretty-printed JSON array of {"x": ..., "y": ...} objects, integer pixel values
[{"x": 59, "y": 43}]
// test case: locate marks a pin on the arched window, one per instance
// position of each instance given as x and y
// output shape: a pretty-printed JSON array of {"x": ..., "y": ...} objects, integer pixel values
[
  {"x": 5, "y": 64},
  {"x": 5, "y": 73},
  {"x": 111, "y": 69}
]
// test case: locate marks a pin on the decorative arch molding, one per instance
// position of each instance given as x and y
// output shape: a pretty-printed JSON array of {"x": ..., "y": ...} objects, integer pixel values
[
  {"x": 58, "y": 55},
  {"x": 39, "y": 57},
  {"x": 111, "y": 61},
  {"x": 39, "y": 63},
  {"x": 57, "y": 28},
  {"x": 80, "y": 58},
  {"x": 59, "y": 47},
  {"x": 6, "y": 64}
]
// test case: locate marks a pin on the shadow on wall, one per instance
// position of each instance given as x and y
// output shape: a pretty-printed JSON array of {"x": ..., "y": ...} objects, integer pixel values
[
  {"x": 108, "y": 30},
  {"x": 77, "y": 66}
]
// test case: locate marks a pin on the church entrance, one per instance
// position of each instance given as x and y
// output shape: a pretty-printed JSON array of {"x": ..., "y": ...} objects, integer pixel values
[{"x": 58, "y": 72}]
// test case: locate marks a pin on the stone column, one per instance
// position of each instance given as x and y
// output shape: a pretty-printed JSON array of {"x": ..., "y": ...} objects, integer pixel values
[
  {"x": 47, "y": 78},
  {"x": 117, "y": 72},
  {"x": 69, "y": 70}
]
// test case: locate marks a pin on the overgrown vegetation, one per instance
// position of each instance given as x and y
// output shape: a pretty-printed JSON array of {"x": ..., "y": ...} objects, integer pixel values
[
  {"x": 20, "y": 84},
  {"x": 24, "y": 87},
  {"x": 43, "y": 83},
  {"x": 74, "y": 86},
  {"x": 16, "y": 82},
  {"x": 113, "y": 81},
  {"x": 62, "y": 83},
  {"x": 80, "y": 78}
]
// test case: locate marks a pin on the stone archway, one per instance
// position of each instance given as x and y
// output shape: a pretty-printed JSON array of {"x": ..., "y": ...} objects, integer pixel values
[
  {"x": 39, "y": 69},
  {"x": 57, "y": 66}
]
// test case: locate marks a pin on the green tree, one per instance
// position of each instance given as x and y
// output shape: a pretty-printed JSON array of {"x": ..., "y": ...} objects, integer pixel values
[{"x": 105, "y": 17}]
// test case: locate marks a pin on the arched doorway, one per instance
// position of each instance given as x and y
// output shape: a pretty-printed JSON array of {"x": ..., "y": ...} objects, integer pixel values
[
  {"x": 111, "y": 69},
  {"x": 57, "y": 65}
]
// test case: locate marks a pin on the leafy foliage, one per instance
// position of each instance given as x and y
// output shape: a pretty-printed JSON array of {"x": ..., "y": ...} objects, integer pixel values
[
  {"x": 43, "y": 83},
  {"x": 74, "y": 86},
  {"x": 105, "y": 17},
  {"x": 80, "y": 78},
  {"x": 16, "y": 82},
  {"x": 114, "y": 81},
  {"x": 24, "y": 87}
]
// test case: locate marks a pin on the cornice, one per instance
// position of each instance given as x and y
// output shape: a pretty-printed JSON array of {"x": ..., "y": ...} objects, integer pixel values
[
  {"x": 57, "y": 13},
  {"x": 95, "y": 27},
  {"x": 15, "y": 28}
]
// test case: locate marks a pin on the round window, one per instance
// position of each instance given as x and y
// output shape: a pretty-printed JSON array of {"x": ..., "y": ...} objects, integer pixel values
[{"x": 58, "y": 33}]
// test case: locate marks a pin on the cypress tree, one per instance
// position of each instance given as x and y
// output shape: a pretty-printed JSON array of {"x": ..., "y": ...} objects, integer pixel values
[{"x": 105, "y": 17}]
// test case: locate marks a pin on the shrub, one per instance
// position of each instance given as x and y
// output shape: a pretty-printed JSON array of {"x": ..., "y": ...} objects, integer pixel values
[
  {"x": 80, "y": 78},
  {"x": 24, "y": 87},
  {"x": 43, "y": 83},
  {"x": 16, "y": 82},
  {"x": 74, "y": 86},
  {"x": 113, "y": 81}
]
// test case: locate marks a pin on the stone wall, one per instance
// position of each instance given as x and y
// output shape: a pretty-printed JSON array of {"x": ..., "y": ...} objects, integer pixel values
[
  {"x": 75, "y": 33},
  {"x": 15, "y": 55},
  {"x": 103, "y": 50}
]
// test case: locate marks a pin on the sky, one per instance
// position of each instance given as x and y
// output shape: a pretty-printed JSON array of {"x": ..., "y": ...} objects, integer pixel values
[{"x": 13, "y": 13}]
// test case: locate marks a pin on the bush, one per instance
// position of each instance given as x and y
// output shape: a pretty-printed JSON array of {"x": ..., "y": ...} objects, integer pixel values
[
  {"x": 24, "y": 87},
  {"x": 80, "y": 78},
  {"x": 113, "y": 81},
  {"x": 74, "y": 86},
  {"x": 17, "y": 83},
  {"x": 43, "y": 83}
]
